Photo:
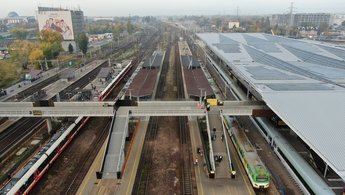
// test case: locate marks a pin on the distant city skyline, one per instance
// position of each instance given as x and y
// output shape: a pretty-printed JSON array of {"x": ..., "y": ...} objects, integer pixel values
[{"x": 175, "y": 7}]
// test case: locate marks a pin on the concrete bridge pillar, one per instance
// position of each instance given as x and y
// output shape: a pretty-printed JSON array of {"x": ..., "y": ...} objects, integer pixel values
[{"x": 49, "y": 124}]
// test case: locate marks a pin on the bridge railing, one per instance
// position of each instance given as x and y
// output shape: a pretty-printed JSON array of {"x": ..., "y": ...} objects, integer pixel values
[{"x": 211, "y": 157}]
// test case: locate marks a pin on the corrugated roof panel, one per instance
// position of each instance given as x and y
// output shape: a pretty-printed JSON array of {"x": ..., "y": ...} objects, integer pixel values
[
  {"x": 318, "y": 118},
  {"x": 336, "y": 51},
  {"x": 263, "y": 73}
]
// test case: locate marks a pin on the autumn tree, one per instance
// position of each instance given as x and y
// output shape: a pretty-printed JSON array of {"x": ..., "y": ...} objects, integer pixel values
[
  {"x": 26, "y": 52},
  {"x": 50, "y": 43},
  {"x": 83, "y": 42},
  {"x": 35, "y": 55},
  {"x": 50, "y": 36},
  {"x": 21, "y": 50},
  {"x": 19, "y": 33},
  {"x": 8, "y": 73}
]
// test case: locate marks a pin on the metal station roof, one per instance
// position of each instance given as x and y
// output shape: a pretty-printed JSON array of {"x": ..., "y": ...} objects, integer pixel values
[
  {"x": 196, "y": 81},
  {"x": 301, "y": 81},
  {"x": 144, "y": 83},
  {"x": 104, "y": 72},
  {"x": 155, "y": 61},
  {"x": 189, "y": 61}
]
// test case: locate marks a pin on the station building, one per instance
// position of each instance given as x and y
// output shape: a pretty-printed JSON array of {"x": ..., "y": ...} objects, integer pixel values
[{"x": 302, "y": 19}]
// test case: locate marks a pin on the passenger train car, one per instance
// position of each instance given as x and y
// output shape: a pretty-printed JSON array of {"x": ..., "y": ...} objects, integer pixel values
[
  {"x": 255, "y": 169},
  {"x": 23, "y": 181},
  {"x": 104, "y": 94},
  {"x": 308, "y": 180}
]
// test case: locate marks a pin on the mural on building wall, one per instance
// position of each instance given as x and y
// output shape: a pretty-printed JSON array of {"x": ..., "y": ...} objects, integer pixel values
[{"x": 59, "y": 21}]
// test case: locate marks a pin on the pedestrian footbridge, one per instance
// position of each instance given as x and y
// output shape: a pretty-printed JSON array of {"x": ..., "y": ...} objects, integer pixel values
[
  {"x": 121, "y": 111},
  {"x": 145, "y": 108}
]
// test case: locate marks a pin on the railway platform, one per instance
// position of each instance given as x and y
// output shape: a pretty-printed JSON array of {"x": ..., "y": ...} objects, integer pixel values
[
  {"x": 219, "y": 147},
  {"x": 92, "y": 185},
  {"x": 7, "y": 124},
  {"x": 59, "y": 86},
  {"x": 240, "y": 185},
  {"x": 24, "y": 85}
]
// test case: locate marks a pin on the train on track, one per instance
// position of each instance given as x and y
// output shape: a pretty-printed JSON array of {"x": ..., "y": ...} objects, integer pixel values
[
  {"x": 308, "y": 180},
  {"x": 106, "y": 92},
  {"x": 255, "y": 169},
  {"x": 27, "y": 177},
  {"x": 24, "y": 180}
]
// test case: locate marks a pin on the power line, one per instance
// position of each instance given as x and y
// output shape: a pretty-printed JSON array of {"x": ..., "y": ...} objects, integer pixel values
[{"x": 290, "y": 22}]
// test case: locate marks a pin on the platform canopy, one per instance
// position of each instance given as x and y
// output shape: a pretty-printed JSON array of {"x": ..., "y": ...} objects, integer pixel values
[{"x": 303, "y": 82}]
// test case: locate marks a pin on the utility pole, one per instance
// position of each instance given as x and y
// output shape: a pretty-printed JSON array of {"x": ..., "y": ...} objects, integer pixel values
[
  {"x": 237, "y": 10},
  {"x": 290, "y": 22}
]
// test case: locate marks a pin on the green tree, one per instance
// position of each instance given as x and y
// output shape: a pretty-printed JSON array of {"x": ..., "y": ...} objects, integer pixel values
[
  {"x": 343, "y": 23},
  {"x": 83, "y": 42},
  {"x": 50, "y": 43},
  {"x": 267, "y": 25},
  {"x": 218, "y": 22},
  {"x": 117, "y": 30},
  {"x": 50, "y": 50},
  {"x": 322, "y": 28},
  {"x": 130, "y": 28},
  {"x": 3, "y": 28},
  {"x": 70, "y": 48},
  {"x": 50, "y": 37},
  {"x": 19, "y": 33}
]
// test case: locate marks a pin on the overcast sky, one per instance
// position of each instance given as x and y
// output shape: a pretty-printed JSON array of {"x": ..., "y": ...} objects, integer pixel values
[{"x": 174, "y": 7}]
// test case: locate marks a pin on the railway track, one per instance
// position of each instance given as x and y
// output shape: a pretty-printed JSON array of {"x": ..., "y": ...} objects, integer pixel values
[
  {"x": 76, "y": 175},
  {"x": 23, "y": 133},
  {"x": 81, "y": 83},
  {"x": 187, "y": 188},
  {"x": 143, "y": 175},
  {"x": 185, "y": 145},
  {"x": 143, "y": 182},
  {"x": 18, "y": 131},
  {"x": 145, "y": 171},
  {"x": 283, "y": 178},
  {"x": 29, "y": 91},
  {"x": 87, "y": 161}
]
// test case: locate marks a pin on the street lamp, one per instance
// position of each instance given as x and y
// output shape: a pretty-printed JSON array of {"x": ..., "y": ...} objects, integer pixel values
[
  {"x": 130, "y": 94},
  {"x": 201, "y": 89}
]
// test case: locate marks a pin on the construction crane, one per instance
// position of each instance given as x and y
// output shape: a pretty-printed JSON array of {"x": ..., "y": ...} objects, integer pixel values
[{"x": 272, "y": 32}]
